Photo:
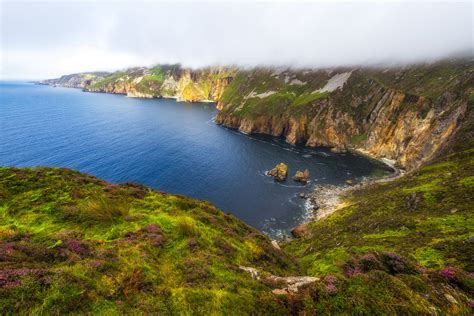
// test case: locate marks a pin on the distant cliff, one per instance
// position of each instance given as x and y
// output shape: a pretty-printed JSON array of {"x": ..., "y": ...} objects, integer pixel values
[
  {"x": 406, "y": 114},
  {"x": 171, "y": 81}
]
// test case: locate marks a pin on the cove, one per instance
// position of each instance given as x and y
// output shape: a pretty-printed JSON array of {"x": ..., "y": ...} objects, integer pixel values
[{"x": 170, "y": 146}]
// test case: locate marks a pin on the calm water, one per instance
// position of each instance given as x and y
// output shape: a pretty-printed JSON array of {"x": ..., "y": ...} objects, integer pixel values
[{"x": 171, "y": 146}]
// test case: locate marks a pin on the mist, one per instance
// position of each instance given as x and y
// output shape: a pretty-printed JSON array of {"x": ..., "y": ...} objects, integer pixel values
[{"x": 48, "y": 39}]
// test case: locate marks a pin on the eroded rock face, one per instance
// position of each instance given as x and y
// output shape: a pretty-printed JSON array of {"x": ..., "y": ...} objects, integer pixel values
[
  {"x": 280, "y": 172},
  {"x": 183, "y": 84},
  {"x": 301, "y": 176},
  {"x": 403, "y": 114}
]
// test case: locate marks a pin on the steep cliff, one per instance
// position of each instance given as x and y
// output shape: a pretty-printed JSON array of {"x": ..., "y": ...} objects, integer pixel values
[
  {"x": 403, "y": 114},
  {"x": 80, "y": 80},
  {"x": 171, "y": 81}
]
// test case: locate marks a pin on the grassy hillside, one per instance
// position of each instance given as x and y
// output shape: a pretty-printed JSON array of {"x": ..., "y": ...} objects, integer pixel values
[
  {"x": 426, "y": 217},
  {"x": 72, "y": 243}
]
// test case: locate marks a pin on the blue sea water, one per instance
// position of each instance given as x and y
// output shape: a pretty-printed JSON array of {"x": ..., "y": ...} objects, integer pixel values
[{"x": 171, "y": 146}]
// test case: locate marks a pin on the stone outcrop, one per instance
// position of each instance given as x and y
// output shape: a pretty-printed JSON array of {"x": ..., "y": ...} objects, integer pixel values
[
  {"x": 402, "y": 114},
  {"x": 300, "y": 231},
  {"x": 288, "y": 284},
  {"x": 301, "y": 176},
  {"x": 280, "y": 172}
]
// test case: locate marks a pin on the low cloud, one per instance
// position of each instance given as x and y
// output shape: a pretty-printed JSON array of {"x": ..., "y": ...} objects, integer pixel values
[{"x": 48, "y": 39}]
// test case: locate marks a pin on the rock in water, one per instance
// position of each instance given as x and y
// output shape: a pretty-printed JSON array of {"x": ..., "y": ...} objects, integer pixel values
[
  {"x": 301, "y": 176},
  {"x": 279, "y": 172}
]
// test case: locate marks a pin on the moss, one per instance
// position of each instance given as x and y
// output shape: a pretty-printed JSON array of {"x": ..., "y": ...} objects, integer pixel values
[
  {"x": 358, "y": 139},
  {"x": 429, "y": 257},
  {"x": 387, "y": 233}
]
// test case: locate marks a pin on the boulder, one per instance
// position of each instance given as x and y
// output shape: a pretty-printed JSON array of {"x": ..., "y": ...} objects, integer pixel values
[
  {"x": 275, "y": 245},
  {"x": 279, "y": 172},
  {"x": 301, "y": 176},
  {"x": 300, "y": 231},
  {"x": 338, "y": 149}
]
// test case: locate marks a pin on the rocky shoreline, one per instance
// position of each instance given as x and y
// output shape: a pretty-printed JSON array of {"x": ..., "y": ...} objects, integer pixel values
[{"x": 324, "y": 200}]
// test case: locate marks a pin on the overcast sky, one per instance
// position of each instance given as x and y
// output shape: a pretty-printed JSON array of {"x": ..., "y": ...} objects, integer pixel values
[{"x": 47, "y": 39}]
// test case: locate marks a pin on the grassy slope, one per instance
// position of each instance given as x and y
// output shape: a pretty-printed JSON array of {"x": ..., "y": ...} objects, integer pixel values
[
  {"x": 70, "y": 242},
  {"x": 426, "y": 216}
]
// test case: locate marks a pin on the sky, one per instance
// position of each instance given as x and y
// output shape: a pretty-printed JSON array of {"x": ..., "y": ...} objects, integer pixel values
[{"x": 46, "y": 39}]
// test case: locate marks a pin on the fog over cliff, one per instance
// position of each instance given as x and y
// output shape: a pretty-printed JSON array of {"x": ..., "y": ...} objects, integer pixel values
[{"x": 47, "y": 39}]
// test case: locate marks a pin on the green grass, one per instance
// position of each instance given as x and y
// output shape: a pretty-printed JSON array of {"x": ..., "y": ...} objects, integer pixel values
[
  {"x": 93, "y": 246},
  {"x": 72, "y": 243}
]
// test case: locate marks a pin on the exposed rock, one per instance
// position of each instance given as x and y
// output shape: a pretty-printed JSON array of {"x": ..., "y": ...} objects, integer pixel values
[
  {"x": 183, "y": 84},
  {"x": 301, "y": 176},
  {"x": 136, "y": 94},
  {"x": 280, "y": 292},
  {"x": 451, "y": 299},
  {"x": 338, "y": 149},
  {"x": 253, "y": 272},
  {"x": 275, "y": 245},
  {"x": 279, "y": 172},
  {"x": 300, "y": 231},
  {"x": 303, "y": 195},
  {"x": 325, "y": 199},
  {"x": 385, "y": 118},
  {"x": 293, "y": 283},
  {"x": 375, "y": 111}
]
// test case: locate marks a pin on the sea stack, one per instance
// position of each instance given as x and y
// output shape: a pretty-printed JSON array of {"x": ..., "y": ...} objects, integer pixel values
[
  {"x": 279, "y": 172},
  {"x": 301, "y": 176}
]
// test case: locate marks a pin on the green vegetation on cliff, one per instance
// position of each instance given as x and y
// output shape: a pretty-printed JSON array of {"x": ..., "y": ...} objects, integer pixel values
[
  {"x": 401, "y": 113},
  {"x": 72, "y": 243},
  {"x": 426, "y": 215}
]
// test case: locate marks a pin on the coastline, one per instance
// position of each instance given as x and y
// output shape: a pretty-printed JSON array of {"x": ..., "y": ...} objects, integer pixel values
[{"x": 325, "y": 200}]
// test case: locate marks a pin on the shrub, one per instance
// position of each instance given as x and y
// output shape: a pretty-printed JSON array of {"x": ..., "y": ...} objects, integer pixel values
[
  {"x": 188, "y": 228},
  {"x": 98, "y": 210}
]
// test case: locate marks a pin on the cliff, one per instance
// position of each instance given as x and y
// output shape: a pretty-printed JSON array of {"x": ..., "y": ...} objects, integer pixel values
[
  {"x": 405, "y": 114},
  {"x": 169, "y": 81},
  {"x": 80, "y": 80}
]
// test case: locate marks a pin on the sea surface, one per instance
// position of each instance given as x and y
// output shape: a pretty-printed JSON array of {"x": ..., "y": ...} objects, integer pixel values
[{"x": 171, "y": 146}]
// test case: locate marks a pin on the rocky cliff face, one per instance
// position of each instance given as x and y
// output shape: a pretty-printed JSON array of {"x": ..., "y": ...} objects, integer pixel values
[
  {"x": 170, "y": 81},
  {"x": 402, "y": 114},
  {"x": 80, "y": 80},
  {"x": 405, "y": 114}
]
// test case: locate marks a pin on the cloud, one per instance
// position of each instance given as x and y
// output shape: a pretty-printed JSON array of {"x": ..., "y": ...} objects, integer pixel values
[{"x": 47, "y": 39}]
